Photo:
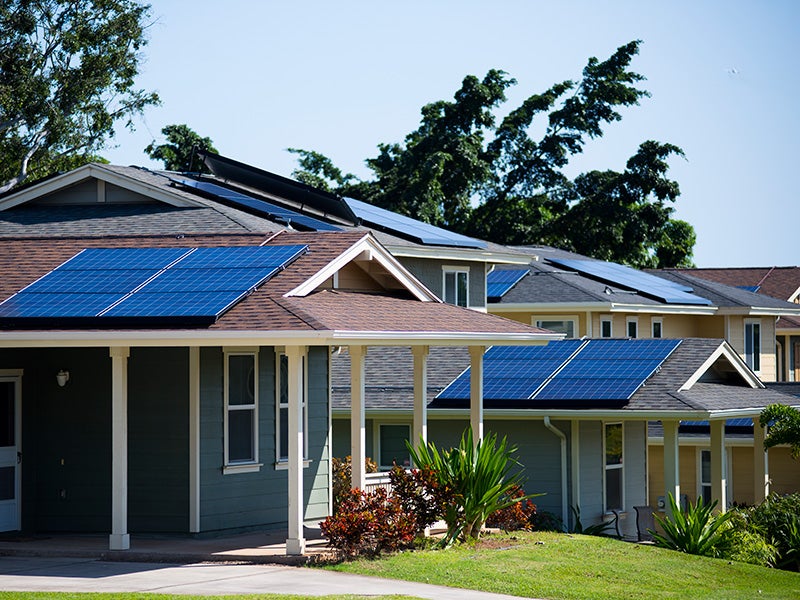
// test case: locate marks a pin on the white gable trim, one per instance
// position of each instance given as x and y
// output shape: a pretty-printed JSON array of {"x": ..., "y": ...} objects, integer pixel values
[
  {"x": 735, "y": 360},
  {"x": 99, "y": 172},
  {"x": 369, "y": 248}
]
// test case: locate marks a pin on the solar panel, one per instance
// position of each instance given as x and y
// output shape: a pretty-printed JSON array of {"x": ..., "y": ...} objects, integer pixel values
[
  {"x": 728, "y": 423},
  {"x": 580, "y": 388},
  {"x": 260, "y": 207},
  {"x": 622, "y": 276},
  {"x": 108, "y": 285},
  {"x": 403, "y": 226},
  {"x": 500, "y": 281},
  {"x": 749, "y": 288}
]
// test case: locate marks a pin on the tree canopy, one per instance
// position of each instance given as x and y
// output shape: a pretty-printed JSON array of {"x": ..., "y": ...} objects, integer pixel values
[
  {"x": 67, "y": 77},
  {"x": 784, "y": 427},
  {"x": 465, "y": 170},
  {"x": 178, "y": 154}
]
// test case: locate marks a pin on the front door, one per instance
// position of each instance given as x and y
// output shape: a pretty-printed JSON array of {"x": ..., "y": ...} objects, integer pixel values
[{"x": 9, "y": 453}]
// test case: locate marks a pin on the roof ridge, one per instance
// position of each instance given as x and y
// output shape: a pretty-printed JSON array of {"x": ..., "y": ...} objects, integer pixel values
[{"x": 298, "y": 312}]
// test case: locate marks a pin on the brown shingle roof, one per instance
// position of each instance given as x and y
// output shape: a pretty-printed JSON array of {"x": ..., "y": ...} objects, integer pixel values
[{"x": 778, "y": 282}]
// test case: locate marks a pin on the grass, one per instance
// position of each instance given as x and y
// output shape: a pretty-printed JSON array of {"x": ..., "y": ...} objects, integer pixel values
[
  {"x": 138, "y": 596},
  {"x": 559, "y": 566}
]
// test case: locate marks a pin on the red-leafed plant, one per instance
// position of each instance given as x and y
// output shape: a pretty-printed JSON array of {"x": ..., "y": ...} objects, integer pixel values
[{"x": 517, "y": 516}]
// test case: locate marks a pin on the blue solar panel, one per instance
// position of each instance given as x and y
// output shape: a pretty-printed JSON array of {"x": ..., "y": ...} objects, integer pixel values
[
  {"x": 403, "y": 226},
  {"x": 579, "y": 388},
  {"x": 500, "y": 281},
  {"x": 609, "y": 369},
  {"x": 103, "y": 284},
  {"x": 622, "y": 276},
  {"x": 261, "y": 207},
  {"x": 749, "y": 288},
  {"x": 728, "y": 423}
]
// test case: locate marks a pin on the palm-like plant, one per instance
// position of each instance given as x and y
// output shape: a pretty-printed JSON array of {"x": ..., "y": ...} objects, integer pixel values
[
  {"x": 697, "y": 530},
  {"x": 476, "y": 477}
]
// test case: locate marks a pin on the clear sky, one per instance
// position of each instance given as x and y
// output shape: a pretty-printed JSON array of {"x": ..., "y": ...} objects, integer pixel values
[{"x": 258, "y": 77}]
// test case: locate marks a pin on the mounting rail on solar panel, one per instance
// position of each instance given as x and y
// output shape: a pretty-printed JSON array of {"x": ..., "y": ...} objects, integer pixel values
[
  {"x": 103, "y": 287},
  {"x": 258, "y": 206},
  {"x": 402, "y": 226},
  {"x": 500, "y": 281},
  {"x": 626, "y": 277}
]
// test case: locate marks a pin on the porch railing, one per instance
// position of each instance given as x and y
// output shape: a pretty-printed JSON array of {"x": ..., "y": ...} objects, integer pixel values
[{"x": 374, "y": 481}]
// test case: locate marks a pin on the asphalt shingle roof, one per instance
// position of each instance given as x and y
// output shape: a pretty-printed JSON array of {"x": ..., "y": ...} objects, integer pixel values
[{"x": 778, "y": 282}]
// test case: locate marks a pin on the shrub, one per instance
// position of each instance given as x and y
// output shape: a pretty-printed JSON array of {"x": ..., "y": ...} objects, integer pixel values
[
  {"x": 342, "y": 477},
  {"x": 777, "y": 519},
  {"x": 697, "y": 530},
  {"x": 368, "y": 523},
  {"x": 546, "y": 521},
  {"x": 517, "y": 516},
  {"x": 602, "y": 529},
  {"x": 420, "y": 494}
]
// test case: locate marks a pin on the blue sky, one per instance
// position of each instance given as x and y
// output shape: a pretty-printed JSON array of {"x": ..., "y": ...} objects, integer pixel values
[{"x": 341, "y": 77}]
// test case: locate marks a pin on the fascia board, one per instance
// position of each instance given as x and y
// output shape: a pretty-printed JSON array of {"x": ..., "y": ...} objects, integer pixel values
[
  {"x": 760, "y": 311},
  {"x": 701, "y": 441},
  {"x": 794, "y": 296},
  {"x": 724, "y": 350},
  {"x": 379, "y": 254},
  {"x": 460, "y": 254},
  {"x": 521, "y": 413},
  {"x": 601, "y": 307}
]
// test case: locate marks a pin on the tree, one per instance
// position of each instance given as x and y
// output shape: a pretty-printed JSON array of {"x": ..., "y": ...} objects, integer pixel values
[
  {"x": 784, "y": 427},
  {"x": 462, "y": 170},
  {"x": 179, "y": 153},
  {"x": 67, "y": 70}
]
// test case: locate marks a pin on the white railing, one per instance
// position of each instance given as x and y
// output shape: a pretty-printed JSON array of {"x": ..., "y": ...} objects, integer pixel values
[{"x": 373, "y": 481}]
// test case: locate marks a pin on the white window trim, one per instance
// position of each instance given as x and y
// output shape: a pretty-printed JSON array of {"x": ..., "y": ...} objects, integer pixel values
[
  {"x": 728, "y": 472},
  {"x": 610, "y": 321},
  {"x": 620, "y": 467},
  {"x": 376, "y": 439},
  {"x": 653, "y": 322},
  {"x": 536, "y": 319},
  {"x": 283, "y": 463},
  {"x": 631, "y": 321},
  {"x": 250, "y": 466},
  {"x": 455, "y": 269},
  {"x": 760, "y": 344}
]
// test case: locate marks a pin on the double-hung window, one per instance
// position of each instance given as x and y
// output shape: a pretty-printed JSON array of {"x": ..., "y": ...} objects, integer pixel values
[
  {"x": 606, "y": 327},
  {"x": 657, "y": 327},
  {"x": 241, "y": 411},
  {"x": 392, "y": 446},
  {"x": 456, "y": 285},
  {"x": 567, "y": 325},
  {"x": 282, "y": 409},
  {"x": 614, "y": 480},
  {"x": 632, "y": 327},
  {"x": 752, "y": 343}
]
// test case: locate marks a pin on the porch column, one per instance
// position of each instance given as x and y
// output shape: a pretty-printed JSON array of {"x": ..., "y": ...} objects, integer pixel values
[
  {"x": 575, "y": 463},
  {"x": 295, "y": 356},
  {"x": 672, "y": 469},
  {"x": 119, "y": 538},
  {"x": 718, "y": 479},
  {"x": 420, "y": 429},
  {"x": 476, "y": 391},
  {"x": 194, "y": 439},
  {"x": 358, "y": 451},
  {"x": 760, "y": 463}
]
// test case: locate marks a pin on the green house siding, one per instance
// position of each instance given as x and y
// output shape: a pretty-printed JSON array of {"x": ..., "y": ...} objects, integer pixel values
[{"x": 259, "y": 499}]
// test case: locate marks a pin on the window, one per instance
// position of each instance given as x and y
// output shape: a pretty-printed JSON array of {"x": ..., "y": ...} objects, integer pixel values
[
  {"x": 632, "y": 327},
  {"x": 456, "y": 286},
  {"x": 282, "y": 409},
  {"x": 613, "y": 449},
  {"x": 392, "y": 446},
  {"x": 241, "y": 408},
  {"x": 657, "y": 327},
  {"x": 606, "y": 331},
  {"x": 752, "y": 343},
  {"x": 704, "y": 476},
  {"x": 559, "y": 324}
]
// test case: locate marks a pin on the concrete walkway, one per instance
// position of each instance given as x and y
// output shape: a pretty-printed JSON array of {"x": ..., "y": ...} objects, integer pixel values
[{"x": 37, "y": 574}]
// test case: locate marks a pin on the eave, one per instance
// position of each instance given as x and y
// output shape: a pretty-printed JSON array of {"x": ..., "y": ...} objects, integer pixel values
[
  {"x": 560, "y": 307},
  {"x": 460, "y": 254}
]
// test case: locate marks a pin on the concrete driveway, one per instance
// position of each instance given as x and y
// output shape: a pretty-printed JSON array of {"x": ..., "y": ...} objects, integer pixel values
[{"x": 90, "y": 575}]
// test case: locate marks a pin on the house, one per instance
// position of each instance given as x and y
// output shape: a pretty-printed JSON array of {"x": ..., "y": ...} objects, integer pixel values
[
  {"x": 584, "y": 442},
  {"x": 580, "y": 296},
  {"x": 165, "y": 353}
]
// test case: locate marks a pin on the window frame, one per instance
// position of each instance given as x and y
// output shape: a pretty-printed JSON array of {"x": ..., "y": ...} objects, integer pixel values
[
  {"x": 455, "y": 271},
  {"x": 281, "y": 462},
  {"x": 240, "y": 466},
  {"x": 701, "y": 451},
  {"x": 631, "y": 321},
  {"x": 610, "y": 321},
  {"x": 536, "y": 321},
  {"x": 657, "y": 321},
  {"x": 609, "y": 467},
  {"x": 378, "y": 445},
  {"x": 752, "y": 358}
]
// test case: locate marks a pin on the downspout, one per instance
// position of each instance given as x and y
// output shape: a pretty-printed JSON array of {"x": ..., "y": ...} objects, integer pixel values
[{"x": 563, "y": 439}]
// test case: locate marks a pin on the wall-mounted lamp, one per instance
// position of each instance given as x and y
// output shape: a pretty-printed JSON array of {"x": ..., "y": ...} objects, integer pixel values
[{"x": 62, "y": 377}]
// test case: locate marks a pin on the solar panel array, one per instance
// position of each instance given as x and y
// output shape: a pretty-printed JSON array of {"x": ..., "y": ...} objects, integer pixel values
[
  {"x": 424, "y": 233},
  {"x": 259, "y": 206},
  {"x": 626, "y": 277},
  {"x": 570, "y": 371},
  {"x": 104, "y": 285},
  {"x": 749, "y": 288},
  {"x": 500, "y": 281},
  {"x": 728, "y": 423}
]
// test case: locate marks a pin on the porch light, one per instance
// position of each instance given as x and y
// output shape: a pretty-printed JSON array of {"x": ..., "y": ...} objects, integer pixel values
[{"x": 62, "y": 377}]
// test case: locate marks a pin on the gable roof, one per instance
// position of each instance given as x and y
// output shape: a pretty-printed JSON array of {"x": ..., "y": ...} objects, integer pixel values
[{"x": 778, "y": 282}]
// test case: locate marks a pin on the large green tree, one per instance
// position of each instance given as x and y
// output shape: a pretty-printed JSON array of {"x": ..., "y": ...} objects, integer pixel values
[
  {"x": 67, "y": 77},
  {"x": 784, "y": 427},
  {"x": 505, "y": 181},
  {"x": 178, "y": 153}
]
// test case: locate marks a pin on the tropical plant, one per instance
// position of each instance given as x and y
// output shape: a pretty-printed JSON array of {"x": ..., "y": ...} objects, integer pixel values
[
  {"x": 696, "y": 530},
  {"x": 342, "y": 477},
  {"x": 420, "y": 494},
  {"x": 477, "y": 475},
  {"x": 777, "y": 518},
  {"x": 519, "y": 516},
  {"x": 600, "y": 529},
  {"x": 747, "y": 543},
  {"x": 784, "y": 427}
]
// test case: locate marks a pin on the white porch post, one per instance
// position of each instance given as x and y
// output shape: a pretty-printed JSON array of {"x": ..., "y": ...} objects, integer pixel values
[
  {"x": 575, "y": 462},
  {"x": 119, "y": 538},
  {"x": 760, "y": 463},
  {"x": 718, "y": 479},
  {"x": 194, "y": 439},
  {"x": 476, "y": 391},
  {"x": 358, "y": 451},
  {"x": 420, "y": 429},
  {"x": 672, "y": 470},
  {"x": 295, "y": 355}
]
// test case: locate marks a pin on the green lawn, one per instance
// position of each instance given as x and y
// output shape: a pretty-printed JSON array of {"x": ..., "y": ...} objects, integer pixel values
[{"x": 560, "y": 566}]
